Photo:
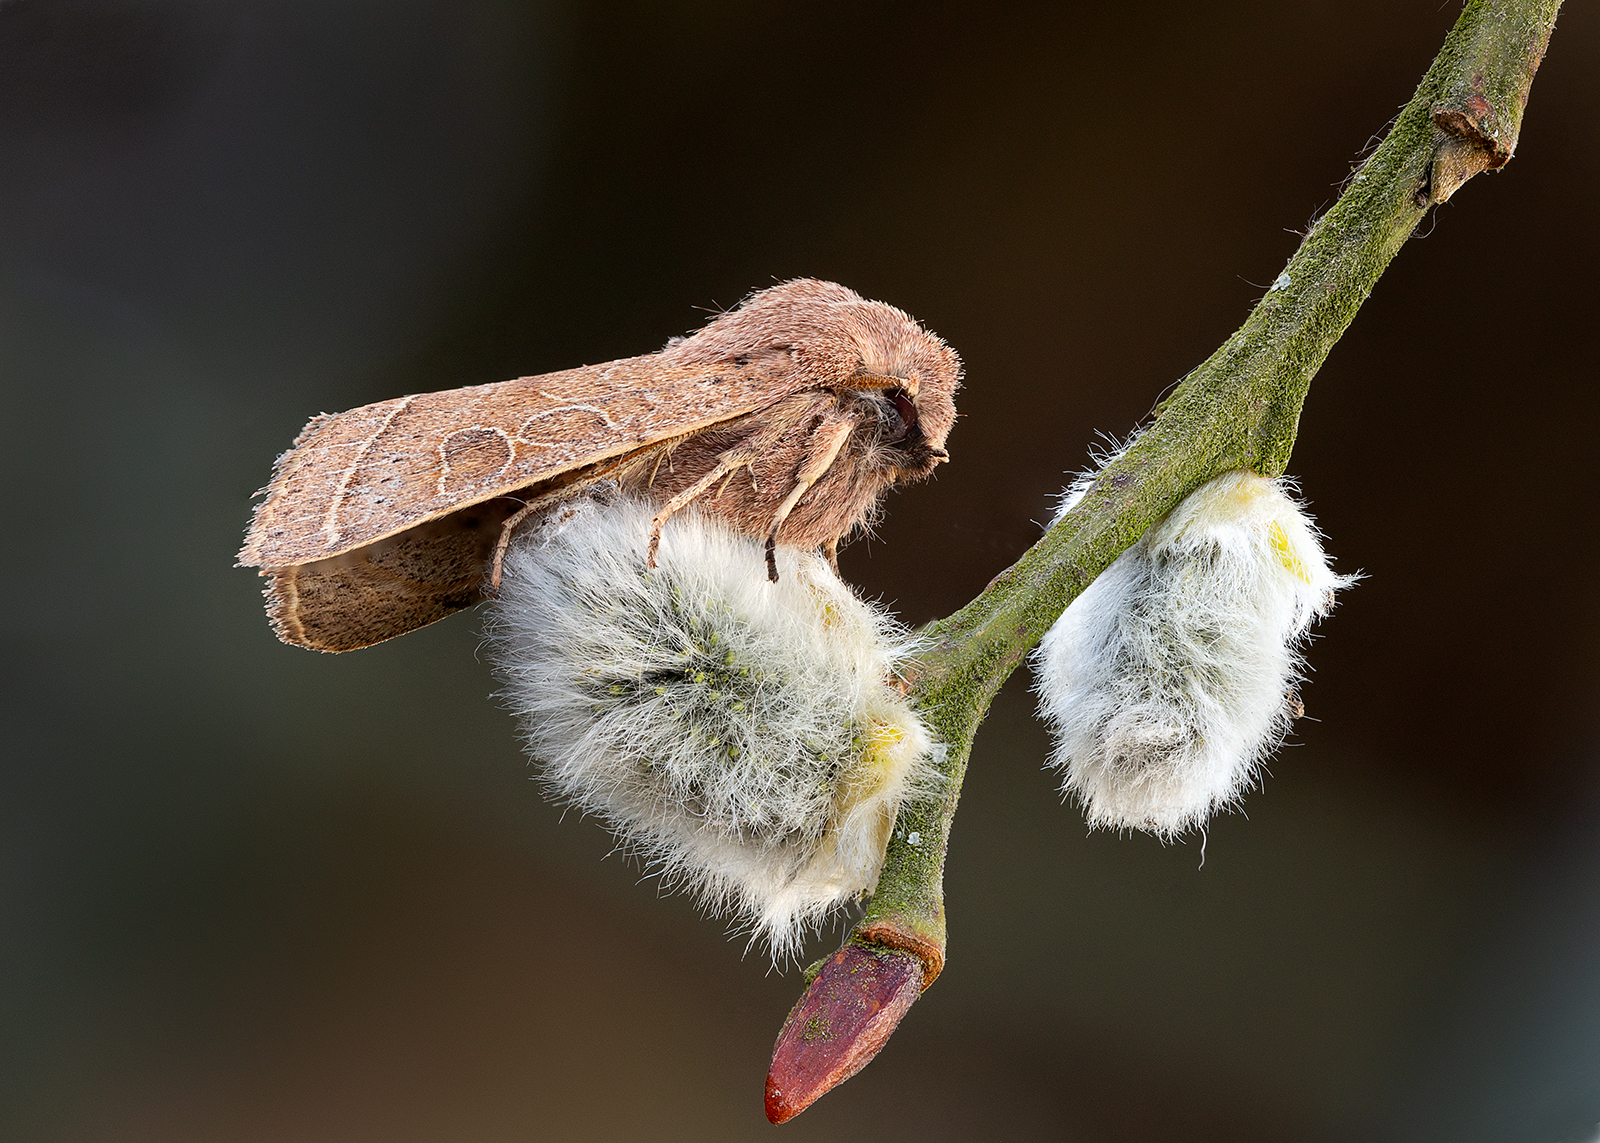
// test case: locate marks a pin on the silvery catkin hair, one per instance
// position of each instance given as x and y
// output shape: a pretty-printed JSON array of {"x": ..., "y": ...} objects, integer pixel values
[
  {"x": 1172, "y": 677},
  {"x": 737, "y": 734}
]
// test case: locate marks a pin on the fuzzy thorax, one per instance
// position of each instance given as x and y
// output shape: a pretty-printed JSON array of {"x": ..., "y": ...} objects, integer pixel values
[
  {"x": 1172, "y": 677},
  {"x": 739, "y": 735}
]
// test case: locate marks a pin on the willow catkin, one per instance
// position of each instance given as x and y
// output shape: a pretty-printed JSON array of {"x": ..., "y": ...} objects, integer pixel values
[
  {"x": 738, "y": 735},
  {"x": 1172, "y": 677}
]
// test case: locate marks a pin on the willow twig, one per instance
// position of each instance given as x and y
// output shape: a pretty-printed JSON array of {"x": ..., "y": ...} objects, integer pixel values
[{"x": 1239, "y": 410}]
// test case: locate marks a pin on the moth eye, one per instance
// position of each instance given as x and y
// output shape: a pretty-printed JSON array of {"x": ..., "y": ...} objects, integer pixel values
[{"x": 905, "y": 421}]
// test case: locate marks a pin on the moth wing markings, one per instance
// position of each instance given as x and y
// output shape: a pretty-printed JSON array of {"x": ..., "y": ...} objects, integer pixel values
[
  {"x": 307, "y": 479},
  {"x": 474, "y": 447},
  {"x": 330, "y": 523},
  {"x": 541, "y": 414},
  {"x": 641, "y": 402}
]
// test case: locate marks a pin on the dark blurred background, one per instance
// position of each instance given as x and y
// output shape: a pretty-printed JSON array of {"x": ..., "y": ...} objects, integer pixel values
[{"x": 252, "y": 893}]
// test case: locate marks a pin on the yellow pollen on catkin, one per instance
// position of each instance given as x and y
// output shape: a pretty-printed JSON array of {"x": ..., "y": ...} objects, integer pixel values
[
  {"x": 1286, "y": 553},
  {"x": 884, "y": 735},
  {"x": 1245, "y": 491},
  {"x": 827, "y": 612},
  {"x": 874, "y": 767},
  {"x": 877, "y": 766}
]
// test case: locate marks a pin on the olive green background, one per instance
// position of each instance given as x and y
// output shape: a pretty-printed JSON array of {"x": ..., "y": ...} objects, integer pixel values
[{"x": 252, "y": 893}]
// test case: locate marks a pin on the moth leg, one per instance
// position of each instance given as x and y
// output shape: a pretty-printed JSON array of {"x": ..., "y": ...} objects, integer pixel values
[
  {"x": 831, "y": 437},
  {"x": 727, "y": 464},
  {"x": 830, "y": 551},
  {"x": 538, "y": 504},
  {"x": 513, "y": 521}
]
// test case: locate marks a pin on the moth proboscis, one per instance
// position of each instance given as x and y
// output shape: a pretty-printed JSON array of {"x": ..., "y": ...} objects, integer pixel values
[{"x": 787, "y": 417}]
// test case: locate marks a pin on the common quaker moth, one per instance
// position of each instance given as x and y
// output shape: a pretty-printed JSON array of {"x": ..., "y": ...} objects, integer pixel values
[{"x": 788, "y": 418}]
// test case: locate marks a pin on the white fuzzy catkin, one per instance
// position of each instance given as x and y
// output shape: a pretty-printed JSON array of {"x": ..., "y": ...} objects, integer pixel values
[
  {"x": 739, "y": 735},
  {"x": 1171, "y": 678}
]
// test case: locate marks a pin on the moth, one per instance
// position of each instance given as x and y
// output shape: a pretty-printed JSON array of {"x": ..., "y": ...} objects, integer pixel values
[{"x": 788, "y": 418}]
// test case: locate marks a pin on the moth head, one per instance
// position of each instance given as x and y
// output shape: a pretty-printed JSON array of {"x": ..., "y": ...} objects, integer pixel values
[
  {"x": 902, "y": 377},
  {"x": 909, "y": 377},
  {"x": 905, "y": 422}
]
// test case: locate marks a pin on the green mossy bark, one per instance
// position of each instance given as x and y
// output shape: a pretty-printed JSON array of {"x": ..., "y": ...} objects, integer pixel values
[{"x": 1239, "y": 410}]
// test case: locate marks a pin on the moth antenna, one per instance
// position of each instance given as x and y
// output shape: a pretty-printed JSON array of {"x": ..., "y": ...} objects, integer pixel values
[
  {"x": 833, "y": 435},
  {"x": 868, "y": 382}
]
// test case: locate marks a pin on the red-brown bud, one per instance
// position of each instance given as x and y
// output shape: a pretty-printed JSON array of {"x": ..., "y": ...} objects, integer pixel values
[{"x": 844, "y": 1018}]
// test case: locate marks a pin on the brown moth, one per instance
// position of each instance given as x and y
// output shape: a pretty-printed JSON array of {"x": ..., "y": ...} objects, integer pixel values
[{"x": 787, "y": 417}]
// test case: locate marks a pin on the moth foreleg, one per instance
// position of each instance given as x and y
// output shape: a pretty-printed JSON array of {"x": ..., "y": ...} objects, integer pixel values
[
  {"x": 829, "y": 440},
  {"x": 661, "y": 454},
  {"x": 830, "y": 552}
]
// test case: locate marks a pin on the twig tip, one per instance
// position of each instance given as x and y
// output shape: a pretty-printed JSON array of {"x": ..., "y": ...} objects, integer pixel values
[{"x": 844, "y": 1018}]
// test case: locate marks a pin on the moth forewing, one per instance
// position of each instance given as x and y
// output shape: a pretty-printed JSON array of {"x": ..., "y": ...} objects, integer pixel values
[
  {"x": 373, "y": 472},
  {"x": 787, "y": 417}
]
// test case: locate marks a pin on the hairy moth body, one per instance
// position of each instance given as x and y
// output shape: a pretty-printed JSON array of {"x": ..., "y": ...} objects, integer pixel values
[{"x": 787, "y": 418}]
